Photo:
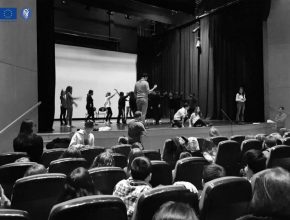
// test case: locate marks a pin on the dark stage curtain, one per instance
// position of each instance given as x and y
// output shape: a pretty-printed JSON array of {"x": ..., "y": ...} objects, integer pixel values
[{"x": 231, "y": 54}]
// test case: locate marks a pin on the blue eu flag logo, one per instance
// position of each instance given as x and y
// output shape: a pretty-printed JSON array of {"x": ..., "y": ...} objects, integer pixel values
[
  {"x": 8, "y": 14},
  {"x": 26, "y": 13}
]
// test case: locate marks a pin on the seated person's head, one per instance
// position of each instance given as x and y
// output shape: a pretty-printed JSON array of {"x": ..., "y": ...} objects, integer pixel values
[
  {"x": 35, "y": 169},
  {"x": 22, "y": 159},
  {"x": 271, "y": 193},
  {"x": 278, "y": 137},
  {"x": 211, "y": 172},
  {"x": 123, "y": 140},
  {"x": 175, "y": 211},
  {"x": 260, "y": 137},
  {"x": 71, "y": 152},
  {"x": 213, "y": 132},
  {"x": 184, "y": 155},
  {"x": 104, "y": 159},
  {"x": 138, "y": 115},
  {"x": 26, "y": 127},
  {"x": 134, "y": 153},
  {"x": 137, "y": 145},
  {"x": 141, "y": 169},
  {"x": 270, "y": 141},
  {"x": 89, "y": 126},
  {"x": 255, "y": 162}
]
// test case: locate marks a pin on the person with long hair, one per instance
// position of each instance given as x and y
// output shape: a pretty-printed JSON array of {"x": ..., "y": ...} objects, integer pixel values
[
  {"x": 132, "y": 105},
  {"x": 27, "y": 141},
  {"x": 241, "y": 103},
  {"x": 195, "y": 118},
  {"x": 108, "y": 105},
  {"x": 62, "y": 108},
  {"x": 70, "y": 101},
  {"x": 90, "y": 106}
]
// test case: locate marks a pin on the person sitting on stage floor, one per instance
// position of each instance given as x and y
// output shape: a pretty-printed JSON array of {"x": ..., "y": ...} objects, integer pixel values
[
  {"x": 84, "y": 137},
  {"x": 136, "y": 129},
  {"x": 195, "y": 118},
  {"x": 180, "y": 115}
]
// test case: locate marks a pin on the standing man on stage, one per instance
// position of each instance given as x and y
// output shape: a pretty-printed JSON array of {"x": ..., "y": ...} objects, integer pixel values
[{"x": 141, "y": 92}]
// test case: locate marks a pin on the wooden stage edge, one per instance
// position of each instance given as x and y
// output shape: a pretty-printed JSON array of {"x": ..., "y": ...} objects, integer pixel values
[{"x": 156, "y": 136}]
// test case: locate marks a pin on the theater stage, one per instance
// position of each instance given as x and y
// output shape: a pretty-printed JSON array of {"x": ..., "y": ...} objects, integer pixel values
[{"x": 157, "y": 134}]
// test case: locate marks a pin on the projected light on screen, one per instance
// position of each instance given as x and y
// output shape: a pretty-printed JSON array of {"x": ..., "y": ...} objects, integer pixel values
[{"x": 99, "y": 70}]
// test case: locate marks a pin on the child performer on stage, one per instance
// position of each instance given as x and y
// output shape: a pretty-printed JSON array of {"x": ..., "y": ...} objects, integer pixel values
[
  {"x": 180, "y": 116},
  {"x": 107, "y": 105}
]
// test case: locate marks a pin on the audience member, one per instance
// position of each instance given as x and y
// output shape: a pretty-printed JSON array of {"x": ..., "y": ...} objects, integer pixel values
[
  {"x": 104, "y": 159},
  {"x": 175, "y": 211},
  {"x": 35, "y": 169},
  {"x": 255, "y": 162},
  {"x": 71, "y": 152},
  {"x": 130, "y": 189},
  {"x": 27, "y": 141},
  {"x": 136, "y": 129},
  {"x": 22, "y": 159},
  {"x": 79, "y": 183},
  {"x": 271, "y": 195},
  {"x": 135, "y": 152},
  {"x": 278, "y": 137},
  {"x": 123, "y": 140},
  {"x": 269, "y": 142},
  {"x": 211, "y": 172},
  {"x": 84, "y": 137},
  {"x": 184, "y": 155},
  {"x": 213, "y": 132},
  {"x": 260, "y": 137},
  {"x": 137, "y": 145}
]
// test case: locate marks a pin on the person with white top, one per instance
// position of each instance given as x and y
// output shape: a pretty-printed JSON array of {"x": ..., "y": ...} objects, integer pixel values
[
  {"x": 83, "y": 137},
  {"x": 195, "y": 118},
  {"x": 108, "y": 105},
  {"x": 240, "y": 100},
  {"x": 180, "y": 115}
]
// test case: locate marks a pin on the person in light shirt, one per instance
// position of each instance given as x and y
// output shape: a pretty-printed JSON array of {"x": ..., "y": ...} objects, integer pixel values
[
  {"x": 180, "y": 115},
  {"x": 240, "y": 100},
  {"x": 195, "y": 118}
]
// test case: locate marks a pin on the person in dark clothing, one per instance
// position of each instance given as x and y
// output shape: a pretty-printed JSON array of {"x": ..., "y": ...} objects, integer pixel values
[
  {"x": 132, "y": 105},
  {"x": 90, "y": 106},
  {"x": 192, "y": 101},
  {"x": 171, "y": 106},
  {"x": 156, "y": 106},
  {"x": 176, "y": 101},
  {"x": 62, "y": 108},
  {"x": 28, "y": 142},
  {"x": 121, "y": 107}
]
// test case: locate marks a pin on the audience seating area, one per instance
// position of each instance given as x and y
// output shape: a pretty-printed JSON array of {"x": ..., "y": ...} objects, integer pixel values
[{"x": 227, "y": 198}]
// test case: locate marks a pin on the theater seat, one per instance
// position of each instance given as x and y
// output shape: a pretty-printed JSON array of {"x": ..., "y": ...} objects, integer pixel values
[
  {"x": 228, "y": 156},
  {"x": 67, "y": 165},
  {"x": 90, "y": 208},
  {"x": 105, "y": 178},
  {"x": 13, "y": 214},
  {"x": 89, "y": 153},
  {"x": 161, "y": 173},
  {"x": 225, "y": 198},
  {"x": 10, "y": 157},
  {"x": 150, "y": 201},
  {"x": 37, "y": 194},
  {"x": 238, "y": 138},
  {"x": 286, "y": 141},
  {"x": 218, "y": 139},
  {"x": 204, "y": 143},
  {"x": 251, "y": 144},
  {"x": 152, "y": 154},
  {"x": 122, "y": 149},
  {"x": 11, "y": 172},
  {"x": 51, "y": 155},
  {"x": 279, "y": 156},
  {"x": 190, "y": 169},
  {"x": 120, "y": 160}
]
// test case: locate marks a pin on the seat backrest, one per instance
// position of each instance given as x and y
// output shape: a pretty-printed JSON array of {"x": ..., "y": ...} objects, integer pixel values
[
  {"x": 89, "y": 153},
  {"x": 190, "y": 169},
  {"x": 122, "y": 149},
  {"x": 120, "y": 160},
  {"x": 37, "y": 194},
  {"x": 161, "y": 173},
  {"x": 11, "y": 172},
  {"x": 67, "y": 165},
  {"x": 51, "y": 155},
  {"x": 286, "y": 141},
  {"x": 204, "y": 143},
  {"x": 218, "y": 139},
  {"x": 13, "y": 214},
  {"x": 251, "y": 144},
  {"x": 11, "y": 157},
  {"x": 225, "y": 198},
  {"x": 229, "y": 156},
  {"x": 238, "y": 138},
  {"x": 90, "y": 207},
  {"x": 106, "y": 178},
  {"x": 150, "y": 201},
  {"x": 152, "y": 154},
  {"x": 279, "y": 156}
]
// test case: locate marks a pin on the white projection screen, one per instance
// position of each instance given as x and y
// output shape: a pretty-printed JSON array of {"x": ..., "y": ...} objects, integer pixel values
[{"x": 99, "y": 70}]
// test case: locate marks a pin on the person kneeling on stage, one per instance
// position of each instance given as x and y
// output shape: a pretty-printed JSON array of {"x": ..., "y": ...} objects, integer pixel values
[
  {"x": 180, "y": 116},
  {"x": 195, "y": 118}
]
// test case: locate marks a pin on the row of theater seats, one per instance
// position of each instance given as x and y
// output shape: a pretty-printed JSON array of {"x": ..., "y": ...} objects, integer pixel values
[{"x": 224, "y": 199}]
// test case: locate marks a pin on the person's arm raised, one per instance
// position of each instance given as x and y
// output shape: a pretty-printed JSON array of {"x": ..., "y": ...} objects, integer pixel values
[{"x": 154, "y": 87}]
